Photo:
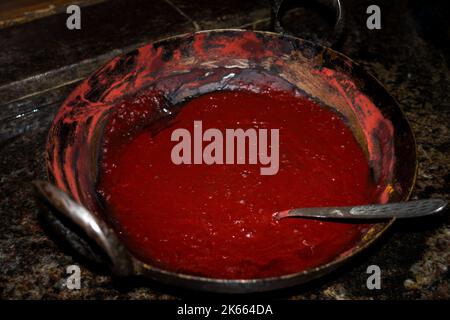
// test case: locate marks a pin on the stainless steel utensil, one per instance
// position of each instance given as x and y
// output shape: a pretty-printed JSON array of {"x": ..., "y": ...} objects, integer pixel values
[{"x": 401, "y": 210}]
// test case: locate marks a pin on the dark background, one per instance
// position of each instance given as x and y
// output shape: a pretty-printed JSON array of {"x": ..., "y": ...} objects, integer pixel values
[{"x": 41, "y": 61}]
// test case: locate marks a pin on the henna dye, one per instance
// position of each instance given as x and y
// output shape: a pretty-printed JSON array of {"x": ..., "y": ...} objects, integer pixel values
[{"x": 216, "y": 220}]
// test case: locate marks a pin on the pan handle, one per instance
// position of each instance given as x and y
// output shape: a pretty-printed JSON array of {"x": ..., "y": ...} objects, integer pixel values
[
  {"x": 276, "y": 12},
  {"x": 95, "y": 228}
]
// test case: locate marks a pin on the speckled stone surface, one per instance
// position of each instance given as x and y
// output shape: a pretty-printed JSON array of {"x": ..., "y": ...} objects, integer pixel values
[{"x": 407, "y": 55}]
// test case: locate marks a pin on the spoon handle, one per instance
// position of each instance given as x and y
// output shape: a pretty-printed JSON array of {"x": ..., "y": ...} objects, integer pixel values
[{"x": 410, "y": 209}]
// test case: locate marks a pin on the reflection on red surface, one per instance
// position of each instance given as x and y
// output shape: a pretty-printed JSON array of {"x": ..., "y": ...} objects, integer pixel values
[{"x": 216, "y": 220}]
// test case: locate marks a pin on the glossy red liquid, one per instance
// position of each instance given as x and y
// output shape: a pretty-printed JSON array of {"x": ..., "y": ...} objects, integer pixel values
[{"x": 216, "y": 220}]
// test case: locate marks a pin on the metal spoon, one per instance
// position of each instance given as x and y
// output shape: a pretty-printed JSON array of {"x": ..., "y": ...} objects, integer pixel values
[{"x": 410, "y": 209}]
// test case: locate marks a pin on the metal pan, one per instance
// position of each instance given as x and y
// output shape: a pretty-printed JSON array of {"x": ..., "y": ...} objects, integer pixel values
[{"x": 192, "y": 64}]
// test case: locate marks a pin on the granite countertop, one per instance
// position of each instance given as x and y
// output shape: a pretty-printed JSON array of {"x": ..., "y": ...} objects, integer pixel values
[{"x": 41, "y": 62}]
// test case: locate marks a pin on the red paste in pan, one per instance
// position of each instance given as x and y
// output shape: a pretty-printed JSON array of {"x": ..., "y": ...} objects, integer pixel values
[{"x": 216, "y": 220}]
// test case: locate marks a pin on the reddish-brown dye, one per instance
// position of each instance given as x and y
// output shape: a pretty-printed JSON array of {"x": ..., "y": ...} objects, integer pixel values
[{"x": 216, "y": 220}]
